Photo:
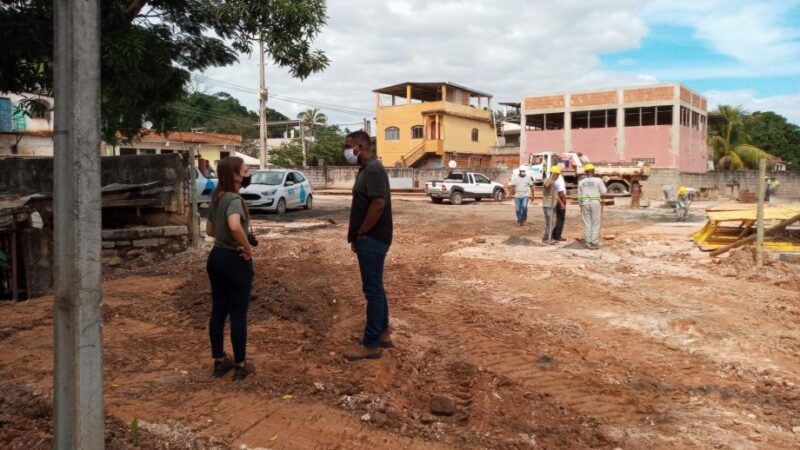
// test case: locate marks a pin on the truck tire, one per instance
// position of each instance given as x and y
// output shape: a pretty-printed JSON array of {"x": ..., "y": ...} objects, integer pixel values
[
  {"x": 617, "y": 188},
  {"x": 499, "y": 195},
  {"x": 457, "y": 198},
  {"x": 437, "y": 200}
]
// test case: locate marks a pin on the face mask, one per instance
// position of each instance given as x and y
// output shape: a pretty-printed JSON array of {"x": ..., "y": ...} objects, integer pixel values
[
  {"x": 246, "y": 181},
  {"x": 522, "y": 174},
  {"x": 350, "y": 156}
]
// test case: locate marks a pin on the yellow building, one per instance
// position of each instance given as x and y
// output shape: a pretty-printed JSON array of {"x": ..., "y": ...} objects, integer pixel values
[{"x": 429, "y": 124}]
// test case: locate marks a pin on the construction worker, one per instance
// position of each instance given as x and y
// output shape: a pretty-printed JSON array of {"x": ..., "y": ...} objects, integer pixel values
[
  {"x": 590, "y": 192},
  {"x": 682, "y": 205},
  {"x": 521, "y": 186},
  {"x": 554, "y": 205}
]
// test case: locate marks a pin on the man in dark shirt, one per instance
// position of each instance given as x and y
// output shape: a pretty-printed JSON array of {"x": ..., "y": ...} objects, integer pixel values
[{"x": 370, "y": 235}]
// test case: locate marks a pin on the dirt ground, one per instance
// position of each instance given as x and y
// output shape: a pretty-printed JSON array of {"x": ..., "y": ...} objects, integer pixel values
[{"x": 646, "y": 343}]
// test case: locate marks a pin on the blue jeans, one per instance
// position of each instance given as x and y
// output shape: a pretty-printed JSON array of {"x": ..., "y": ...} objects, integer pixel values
[
  {"x": 371, "y": 255},
  {"x": 521, "y": 205}
]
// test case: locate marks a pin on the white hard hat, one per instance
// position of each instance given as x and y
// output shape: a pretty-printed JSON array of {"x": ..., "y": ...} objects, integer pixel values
[{"x": 522, "y": 168}]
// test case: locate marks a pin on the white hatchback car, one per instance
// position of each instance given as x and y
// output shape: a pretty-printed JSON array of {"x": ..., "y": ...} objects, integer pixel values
[{"x": 277, "y": 190}]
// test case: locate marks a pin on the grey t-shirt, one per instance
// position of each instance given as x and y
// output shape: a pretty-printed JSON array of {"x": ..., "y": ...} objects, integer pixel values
[{"x": 218, "y": 214}]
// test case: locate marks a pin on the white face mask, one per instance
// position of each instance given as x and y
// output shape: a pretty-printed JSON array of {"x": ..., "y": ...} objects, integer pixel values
[{"x": 351, "y": 156}]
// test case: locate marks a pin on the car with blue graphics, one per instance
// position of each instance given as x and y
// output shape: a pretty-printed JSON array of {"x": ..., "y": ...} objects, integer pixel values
[
  {"x": 278, "y": 190},
  {"x": 204, "y": 187}
]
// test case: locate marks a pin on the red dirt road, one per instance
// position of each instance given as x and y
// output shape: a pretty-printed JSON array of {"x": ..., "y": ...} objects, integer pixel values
[{"x": 643, "y": 344}]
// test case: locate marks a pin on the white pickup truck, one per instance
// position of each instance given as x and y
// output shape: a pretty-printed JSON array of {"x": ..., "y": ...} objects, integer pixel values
[
  {"x": 617, "y": 176},
  {"x": 460, "y": 185}
]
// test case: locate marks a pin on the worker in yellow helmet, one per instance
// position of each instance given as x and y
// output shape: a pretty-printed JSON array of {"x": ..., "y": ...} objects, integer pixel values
[
  {"x": 682, "y": 205},
  {"x": 590, "y": 192},
  {"x": 554, "y": 204}
]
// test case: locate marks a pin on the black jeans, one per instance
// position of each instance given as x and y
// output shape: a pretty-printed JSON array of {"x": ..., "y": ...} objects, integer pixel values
[
  {"x": 231, "y": 282},
  {"x": 561, "y": 215},
  {"x": 371, "y": 257}
]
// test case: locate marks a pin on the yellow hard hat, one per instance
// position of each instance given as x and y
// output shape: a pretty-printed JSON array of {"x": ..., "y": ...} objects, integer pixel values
[
  {"x": 588, "y": 166},
  {"x": 555, "y": 169},
  {"x": 682, "y": 190}
]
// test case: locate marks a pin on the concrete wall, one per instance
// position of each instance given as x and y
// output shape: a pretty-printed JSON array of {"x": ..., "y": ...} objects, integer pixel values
[
  {"x": 37, "y": 174},
  {"x": 143, "y": 243},
  {"x": 601, "y": 143},
  {"x": 649, "y": 142},
  {"x": 789, "y": 189},
  {"x": 344, "y": 177}
]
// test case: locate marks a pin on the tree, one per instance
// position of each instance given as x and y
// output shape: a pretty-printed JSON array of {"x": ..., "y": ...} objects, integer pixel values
[
  {"x": 731, "y": 144},
  {"x": 327, "y": 149},
  {"x": 776, "y": 135},
  {"x": 220, "y": 113},
  {"x": 311, "y": 118},
  {"x": 149, "y": 47}
]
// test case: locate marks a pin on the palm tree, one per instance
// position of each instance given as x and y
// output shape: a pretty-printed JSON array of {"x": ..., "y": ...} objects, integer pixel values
[
  {"x": 731, "y": 144},
  {"x": 310, "y": 118}
]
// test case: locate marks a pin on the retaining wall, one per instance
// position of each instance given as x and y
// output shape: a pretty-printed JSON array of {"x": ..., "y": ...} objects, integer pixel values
[
  {"x": 143, "y": 243},
  {"x": 722, "y": 180}
]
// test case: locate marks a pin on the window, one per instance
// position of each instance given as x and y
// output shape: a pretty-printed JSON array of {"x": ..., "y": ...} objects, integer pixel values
[
  {"x": 127, "y": 151},
  {"x": 5, "y": 114},
  {"x": 554, "y": 121},
  {"x": 535, "y": 121},
  {"x": 664, "y": 115},
  {"x": 392, "y": 134},
  {"x": 417, "y": 132},
  {"x": 633, "y": 117},
  {"x": 289, "y": 177},
  {"x": 474, "y": 135},
  {"x": 611, "y": 118},
  {"x": 580, "y": 119},
  {"x": 167, "y": 152},
  {"x": 481, "y": 179},
  {"x": 648, "y": 116},
  {"x": 298, "y": 177},
  {"x": 684, "y": 116},
  {"x": 650, "y": 161},
  {"x": 147, "y": 151},
  {"x": 695, "y": 120},
  {"x": 597, "y": 119},
  {"x": 223, "y": 155}
]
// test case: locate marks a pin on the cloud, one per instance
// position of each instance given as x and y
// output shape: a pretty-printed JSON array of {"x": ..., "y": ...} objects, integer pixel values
[
  {"x": 511, "y": 48},
  {"x": 787, "y": 105}
]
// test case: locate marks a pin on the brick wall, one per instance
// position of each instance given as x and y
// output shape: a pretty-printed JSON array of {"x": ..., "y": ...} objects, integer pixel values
[
  {"x": 686, "y": 95},
  {"x": 594, "y": 98},
  {"x": 649, "y": 94},
  {"x": 546, "y": 102},
  {"x": 143, "y": 244}
]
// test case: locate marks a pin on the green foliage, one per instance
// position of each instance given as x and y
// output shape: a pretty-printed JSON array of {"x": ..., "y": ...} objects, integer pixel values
[
  {"x": 327, "y": 148},
  {"x": 731, "y": 143},
  {"x": 775, "y": 135},
  {"x": 220, "y": 113},
  {"x": 149, "y": 47},
  {"x": 135, "y": 437}
]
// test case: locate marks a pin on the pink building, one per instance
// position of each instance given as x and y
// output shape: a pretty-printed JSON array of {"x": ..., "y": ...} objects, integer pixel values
[{"x": 664, "y": 125}]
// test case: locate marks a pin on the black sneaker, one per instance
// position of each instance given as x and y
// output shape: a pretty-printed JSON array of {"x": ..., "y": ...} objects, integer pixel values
[
  {"x": 222, "y": 366},
  {"x": 241, "y": 372}
]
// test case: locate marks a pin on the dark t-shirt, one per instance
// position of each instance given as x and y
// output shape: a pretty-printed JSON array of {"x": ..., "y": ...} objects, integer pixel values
[{"x": 371, "y": 182}]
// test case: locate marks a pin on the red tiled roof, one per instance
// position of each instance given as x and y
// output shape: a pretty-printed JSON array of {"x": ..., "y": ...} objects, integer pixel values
[{"x": 191, "y": 137}]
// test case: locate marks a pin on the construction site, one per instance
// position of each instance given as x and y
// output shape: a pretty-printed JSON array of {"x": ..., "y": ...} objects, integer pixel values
[{"x": 500, "y": 341}]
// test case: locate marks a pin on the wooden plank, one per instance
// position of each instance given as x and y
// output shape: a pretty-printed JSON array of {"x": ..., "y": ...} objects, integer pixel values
[{"x": 779, "y": 227}]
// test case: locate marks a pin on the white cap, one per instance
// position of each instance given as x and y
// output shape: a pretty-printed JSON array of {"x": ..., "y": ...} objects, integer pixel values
[{"x": 522, "y": 169}]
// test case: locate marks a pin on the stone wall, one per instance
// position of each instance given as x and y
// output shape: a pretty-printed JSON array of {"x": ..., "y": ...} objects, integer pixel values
[
  {"x": 789, "y": 189},
  {"x": 142, "y": 244}
]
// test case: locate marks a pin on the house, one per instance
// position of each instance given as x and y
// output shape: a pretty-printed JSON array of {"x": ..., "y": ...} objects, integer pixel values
[
  {"x": 211, "y": 146},
  {"x": 430, "y": 124},
  {"x": 663, "y": 125},
  {"x": 26, "y": 133}
]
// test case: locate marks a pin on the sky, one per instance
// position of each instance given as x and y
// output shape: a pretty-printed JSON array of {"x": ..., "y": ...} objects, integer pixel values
[{"x": 738, "y": 52}]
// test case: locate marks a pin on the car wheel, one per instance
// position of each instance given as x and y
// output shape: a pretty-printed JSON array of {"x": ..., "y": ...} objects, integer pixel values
[
  {"x": 281, "y": 206},
  {"x": 456, "y": 198},
  {"x": 309, "y": 203},
  {"x": 617, "y": 188},
  {"x": 437, "y": 200},
  {"x": 499, "y": 195}
]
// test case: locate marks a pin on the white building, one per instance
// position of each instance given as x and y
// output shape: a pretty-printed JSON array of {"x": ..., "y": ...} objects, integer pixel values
[{"x": 26, "y": 134}]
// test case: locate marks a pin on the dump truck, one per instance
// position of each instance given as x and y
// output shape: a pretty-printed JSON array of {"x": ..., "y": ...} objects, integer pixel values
[{"x": 618, "y": 176}]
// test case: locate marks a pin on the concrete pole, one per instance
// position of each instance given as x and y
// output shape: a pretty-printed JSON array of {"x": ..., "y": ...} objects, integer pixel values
[
  {"x": 78, "y": 318},
  {"x": 262, "y": 105},
  {"x": 760, "y": 187},
  {"x": 303, "y": 144}
]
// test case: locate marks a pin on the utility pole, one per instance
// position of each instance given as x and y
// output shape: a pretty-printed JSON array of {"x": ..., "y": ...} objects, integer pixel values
[
  {"x": 78, "y": 318},
  {"x": 303, "y": 143},
  {"x": 760, "y": 188},
  {"x": 194, "y": 225},
  {"x": 262, "y": 102}
]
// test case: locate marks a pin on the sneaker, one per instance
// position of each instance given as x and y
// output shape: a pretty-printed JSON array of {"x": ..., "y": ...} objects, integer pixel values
[
  {"x": 223, "y": 366},
  {"x": 385, "y": 339},
  {"x": 561, "y": 239},
  {"x": 241, "y": 372},
  {"x": 363, "y": 353}
]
